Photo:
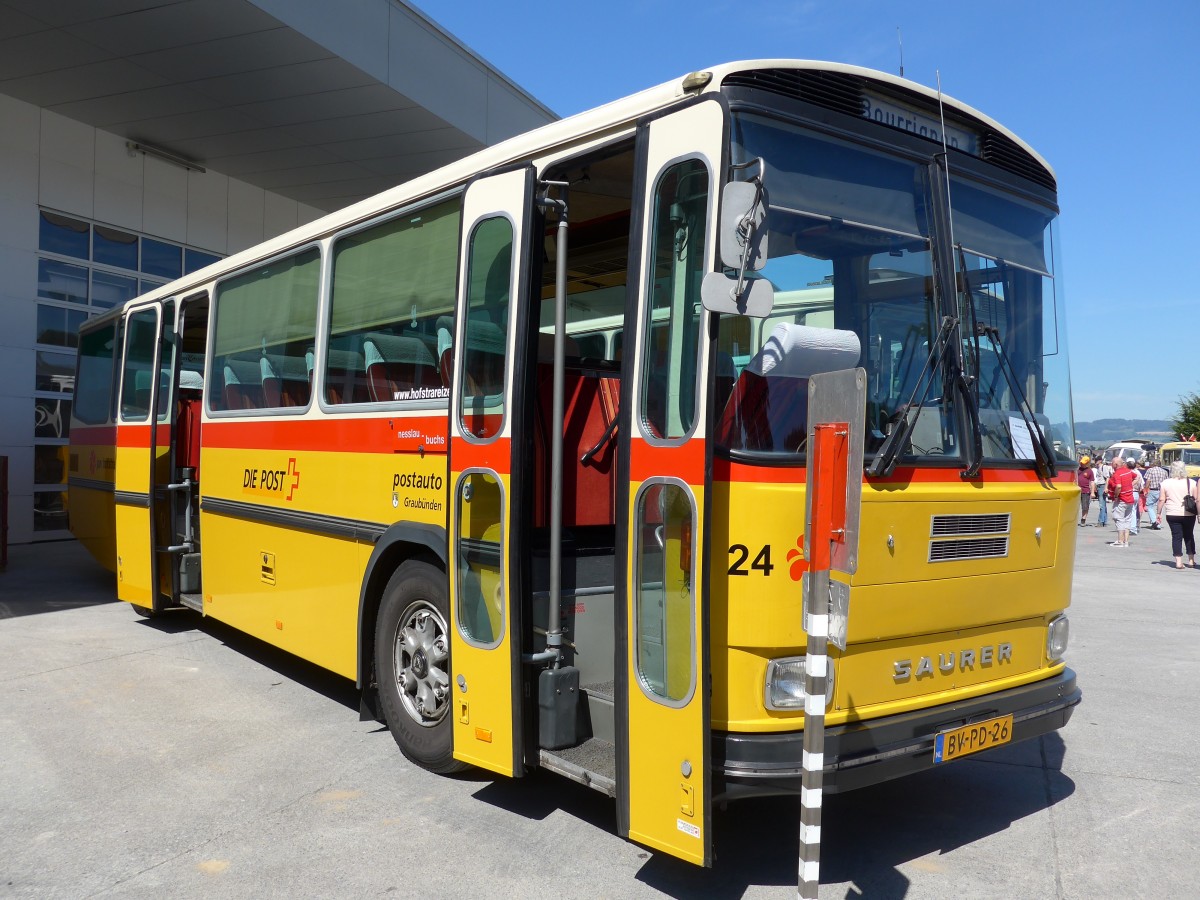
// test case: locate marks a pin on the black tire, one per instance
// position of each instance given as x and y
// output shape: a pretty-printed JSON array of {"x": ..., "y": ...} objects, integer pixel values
[
  {"x": 412, "y": 665},
  {"x": 144, "y": 611}
]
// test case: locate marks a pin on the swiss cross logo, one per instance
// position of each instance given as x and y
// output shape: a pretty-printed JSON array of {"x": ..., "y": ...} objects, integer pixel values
[{"x": 294, "y": 474}]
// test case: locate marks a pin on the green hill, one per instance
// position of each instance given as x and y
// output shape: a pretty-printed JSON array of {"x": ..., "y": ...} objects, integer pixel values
[{"x": 1103, "y": 432}]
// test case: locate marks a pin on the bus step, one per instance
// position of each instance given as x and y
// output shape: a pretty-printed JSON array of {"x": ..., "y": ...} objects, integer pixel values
[
  {"x": 581, "y": 764},
  {"x": 193, "y": 601}
]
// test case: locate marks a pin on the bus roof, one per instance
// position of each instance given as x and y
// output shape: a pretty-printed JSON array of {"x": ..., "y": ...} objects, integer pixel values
[{"x": 611, "y": 118}]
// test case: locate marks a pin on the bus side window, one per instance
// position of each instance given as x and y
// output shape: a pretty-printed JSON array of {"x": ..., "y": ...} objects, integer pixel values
[
  {"x": 664, "y": 608},
  {"x": 485, "y": 335},
  {"x": 671, "y": 321},
  {"x": 141, "y": 337},
  {"x": 392, "y": 295},
  {"x": 266, "y": 320}
]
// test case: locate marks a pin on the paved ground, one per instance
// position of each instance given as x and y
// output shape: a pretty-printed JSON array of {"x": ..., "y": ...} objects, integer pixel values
[{"x": 182, "y": 759}]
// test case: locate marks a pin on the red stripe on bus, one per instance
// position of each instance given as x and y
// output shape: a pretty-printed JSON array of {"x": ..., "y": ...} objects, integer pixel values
[
  {"x": 94, "y": 435},
  {"x": 685, "y": 462},
  {"x": 496, "y": 455},
  {"x": 139, "y": 435}
]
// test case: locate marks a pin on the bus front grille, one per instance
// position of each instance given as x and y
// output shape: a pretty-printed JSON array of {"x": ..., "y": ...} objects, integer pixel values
[
  {"x": 968, "y": 548},
  {"x": 954, "y": 525}
]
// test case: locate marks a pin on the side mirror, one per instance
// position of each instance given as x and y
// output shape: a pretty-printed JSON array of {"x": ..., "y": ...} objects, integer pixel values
[
  {"x": 742, "y": 229},
  {"x": 743, "y": 248},
  {"x": 719, "y": 293}
]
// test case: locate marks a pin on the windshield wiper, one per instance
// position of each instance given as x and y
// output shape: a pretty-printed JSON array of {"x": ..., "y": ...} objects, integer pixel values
[
  {"x": 887, "y": 457},
  {"x": 1042, "y": 451},
  {"x": 968, "y": 389}
]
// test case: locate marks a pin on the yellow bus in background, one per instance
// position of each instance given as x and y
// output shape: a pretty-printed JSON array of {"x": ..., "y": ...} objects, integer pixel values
[
  {"x": 1187, "y": 451},
  {"x": 541, "y": 497}
]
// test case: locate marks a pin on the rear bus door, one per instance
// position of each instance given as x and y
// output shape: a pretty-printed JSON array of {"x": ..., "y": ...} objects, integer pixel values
[
  {"x": 485, "y": 613},
  {"x": 662, "y": 695},
  {"x": 136, "y": 452}
]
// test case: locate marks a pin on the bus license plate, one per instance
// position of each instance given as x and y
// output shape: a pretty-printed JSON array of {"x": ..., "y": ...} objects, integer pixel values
[{"x": 968, "y": 739}]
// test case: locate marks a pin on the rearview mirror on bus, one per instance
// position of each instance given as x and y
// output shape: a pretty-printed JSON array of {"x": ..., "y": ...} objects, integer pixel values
[
  {"x": 742, "y": 229},
  {"x": 743, "y": 247},
  {"x": 719, "y": 293}
]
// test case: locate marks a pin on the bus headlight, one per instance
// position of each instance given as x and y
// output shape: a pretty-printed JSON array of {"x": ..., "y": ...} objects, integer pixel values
[
  {"x": 785, "y": 683},
  {"x": 1057, "y": 634}
]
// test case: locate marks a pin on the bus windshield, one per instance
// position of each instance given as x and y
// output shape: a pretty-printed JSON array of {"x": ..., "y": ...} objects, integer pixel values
[
  {"x": 1015, "y": 338},
  {"x": 851, "y": 248}
]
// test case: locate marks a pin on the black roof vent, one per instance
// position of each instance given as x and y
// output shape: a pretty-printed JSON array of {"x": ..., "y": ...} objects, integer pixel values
[
  {"x": 832, "y": 90},
  {"x": 1001, "y": 150}
]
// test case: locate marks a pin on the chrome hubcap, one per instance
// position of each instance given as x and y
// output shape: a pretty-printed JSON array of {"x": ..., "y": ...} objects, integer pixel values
[{"x": 421, "y": 655}]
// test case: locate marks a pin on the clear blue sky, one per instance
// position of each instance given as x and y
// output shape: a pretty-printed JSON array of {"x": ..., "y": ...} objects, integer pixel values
[{"x": 1108, "y": 92}]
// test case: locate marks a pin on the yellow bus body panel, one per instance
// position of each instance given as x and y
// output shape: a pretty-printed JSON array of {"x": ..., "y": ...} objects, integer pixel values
[
  {"x": 91, "y": 509},
  {"x": 902, "y": 606},
  {"x": 292, "y": 587},
  {"x": 132, "y": 523},
  {"x": 668, "y": 800},
  {"x": 483, "y": 713}
]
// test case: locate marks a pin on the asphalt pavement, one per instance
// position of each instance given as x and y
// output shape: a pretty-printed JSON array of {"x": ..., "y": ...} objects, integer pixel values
[{"x": 176, "y": 757}]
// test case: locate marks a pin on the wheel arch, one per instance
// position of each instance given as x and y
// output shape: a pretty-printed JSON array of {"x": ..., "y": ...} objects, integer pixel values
[{"x": 400, "y": 543}]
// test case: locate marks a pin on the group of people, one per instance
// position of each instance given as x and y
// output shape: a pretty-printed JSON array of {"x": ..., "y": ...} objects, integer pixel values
[{"x": 1138, "y": 489}]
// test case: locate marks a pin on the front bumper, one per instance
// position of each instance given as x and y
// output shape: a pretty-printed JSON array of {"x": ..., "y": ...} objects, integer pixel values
[{"x": 865, "y": 753}]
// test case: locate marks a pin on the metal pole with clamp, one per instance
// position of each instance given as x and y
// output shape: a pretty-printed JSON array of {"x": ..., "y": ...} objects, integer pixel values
[{"x": 836, "y": 411}]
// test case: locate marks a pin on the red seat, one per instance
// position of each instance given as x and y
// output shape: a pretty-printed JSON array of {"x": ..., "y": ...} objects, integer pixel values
[
  {"x": 590, "y": 402},
  {"x": 187, "y": 443},
  {"x": 396, "y": 364}
]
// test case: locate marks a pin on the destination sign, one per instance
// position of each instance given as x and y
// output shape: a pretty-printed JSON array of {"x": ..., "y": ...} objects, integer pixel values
[{"x": 896, "y": 115}]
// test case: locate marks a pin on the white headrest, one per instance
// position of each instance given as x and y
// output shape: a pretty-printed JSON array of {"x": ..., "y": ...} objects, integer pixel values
[
  {"x": 190, "y": 380},
  {"x": 799, "y": 351}
]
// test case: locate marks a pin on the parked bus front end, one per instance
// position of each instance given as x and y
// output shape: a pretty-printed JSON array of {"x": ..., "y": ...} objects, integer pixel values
[{"x": 896, "y": 242}]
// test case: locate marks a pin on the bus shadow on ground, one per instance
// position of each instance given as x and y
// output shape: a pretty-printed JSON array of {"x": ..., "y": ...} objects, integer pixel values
[
  {"x": 52, "y": 577},
  {"x": 542, "y": 793},
  {"x": 309, "y": 675},
  {"x": 869, "y": 834}
]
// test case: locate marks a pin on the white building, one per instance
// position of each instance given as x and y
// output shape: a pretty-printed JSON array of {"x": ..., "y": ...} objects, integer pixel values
[{"x": 139, "y": 139}]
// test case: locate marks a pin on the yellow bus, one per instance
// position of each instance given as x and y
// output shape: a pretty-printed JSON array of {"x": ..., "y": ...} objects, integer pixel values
[
  {"x": 1188, "y": 451},
  {"x": 519, "y": 446}
]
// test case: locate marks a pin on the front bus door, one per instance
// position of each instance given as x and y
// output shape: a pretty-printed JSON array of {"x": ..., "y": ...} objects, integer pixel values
[
  {"x": 663, "y": 719},
  {"x": 485, "y": 612},
  {"x": 137, "y": 450}
]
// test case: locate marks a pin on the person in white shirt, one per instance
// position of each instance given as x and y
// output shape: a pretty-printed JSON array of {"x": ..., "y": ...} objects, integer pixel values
[
  {"x": 1172, "y": 494},
  {"x": 1103, "y": 472}
]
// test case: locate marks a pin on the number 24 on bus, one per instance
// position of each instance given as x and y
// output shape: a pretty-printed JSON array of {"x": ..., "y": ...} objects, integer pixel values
[{"x": 503, "y": 465}]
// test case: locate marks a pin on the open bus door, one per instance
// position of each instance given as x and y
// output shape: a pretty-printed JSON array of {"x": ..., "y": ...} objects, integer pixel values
[
  {"x": 662, "y": 696},
  {"x": 485, "y": 615},
  {"x": 137, "y": 446}
]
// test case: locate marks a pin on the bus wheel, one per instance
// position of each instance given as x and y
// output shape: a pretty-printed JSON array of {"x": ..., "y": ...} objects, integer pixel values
[
  {"x": 144, "y": 611},
  {"x": 412, "y": 663}
]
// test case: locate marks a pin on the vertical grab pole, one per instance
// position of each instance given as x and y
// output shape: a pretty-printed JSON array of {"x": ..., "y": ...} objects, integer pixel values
[
  {"x": 827, "y": 459},
  {"x": 554, "y": 623}
]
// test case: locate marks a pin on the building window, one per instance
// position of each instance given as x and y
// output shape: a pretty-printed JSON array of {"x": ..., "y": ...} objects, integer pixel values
[{"x": 84, "y": 268}]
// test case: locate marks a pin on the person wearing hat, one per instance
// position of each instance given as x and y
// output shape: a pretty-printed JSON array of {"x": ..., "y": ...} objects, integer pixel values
[{"x": 1086, "y": 479}]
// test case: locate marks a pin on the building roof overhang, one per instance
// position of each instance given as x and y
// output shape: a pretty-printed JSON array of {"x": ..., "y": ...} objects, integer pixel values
[{"x": 325, "y": 103}]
